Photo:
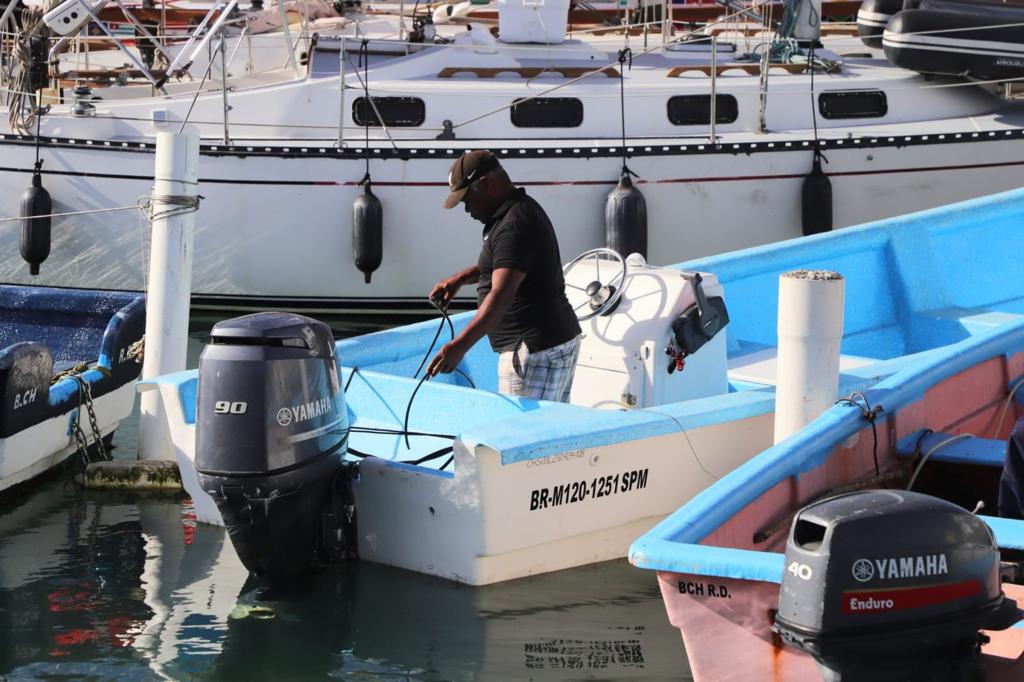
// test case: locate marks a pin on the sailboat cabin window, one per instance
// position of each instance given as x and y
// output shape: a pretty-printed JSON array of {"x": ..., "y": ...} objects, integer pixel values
[
  {"x": 693, "y": 110},
  {"x": 398, "y": 112},
  {"x": 547, "y": 112},
  {"x": 853, "y": 104}
]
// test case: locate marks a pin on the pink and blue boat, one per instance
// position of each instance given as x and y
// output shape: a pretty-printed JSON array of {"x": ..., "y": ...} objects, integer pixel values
[{"x": 936, "y": 420}]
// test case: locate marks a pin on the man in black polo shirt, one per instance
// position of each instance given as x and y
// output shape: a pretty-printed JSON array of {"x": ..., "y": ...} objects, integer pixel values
[{"x": 521, "y": 300}]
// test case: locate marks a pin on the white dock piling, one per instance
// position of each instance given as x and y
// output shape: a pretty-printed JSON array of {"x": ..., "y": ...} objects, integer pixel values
[
  {"x": 170, "y": 281},
  {"x": 810, "y": 329}
]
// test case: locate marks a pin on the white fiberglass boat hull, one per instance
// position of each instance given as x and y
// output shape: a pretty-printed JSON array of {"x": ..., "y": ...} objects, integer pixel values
[{"x": 493, "y": 521}]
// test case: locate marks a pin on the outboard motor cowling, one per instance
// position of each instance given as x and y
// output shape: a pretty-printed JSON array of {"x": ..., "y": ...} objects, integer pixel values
[
  {"x": 891, "y": 585},
  {"x": 271, "y": 434}
]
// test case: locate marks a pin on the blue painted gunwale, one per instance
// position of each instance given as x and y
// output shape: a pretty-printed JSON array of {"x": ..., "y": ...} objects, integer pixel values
[
  {"x": 672, "y": 545},
  {"x": 75, "y": 325}
]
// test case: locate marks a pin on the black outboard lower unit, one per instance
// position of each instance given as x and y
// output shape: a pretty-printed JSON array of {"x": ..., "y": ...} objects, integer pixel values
[
  {"x": 271, "y": 434},
  {"x": 891, "y": 585}
]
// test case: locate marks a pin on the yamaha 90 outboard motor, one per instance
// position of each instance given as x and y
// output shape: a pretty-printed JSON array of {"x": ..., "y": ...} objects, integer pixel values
[
  {"x": 271, "y": 434},
  {"x": 891, "y": 585}
]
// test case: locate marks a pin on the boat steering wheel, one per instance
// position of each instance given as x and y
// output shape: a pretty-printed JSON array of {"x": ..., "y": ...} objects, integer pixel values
[{"x": 598, "y": 297}]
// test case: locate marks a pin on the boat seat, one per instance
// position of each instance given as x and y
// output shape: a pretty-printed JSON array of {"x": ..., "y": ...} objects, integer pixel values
[
  {"x": 760, "y": 367},
  {"x": 524, "y": 71},
  {"x": 986, "y": 452},
  {"x": 973, "y": 321}
]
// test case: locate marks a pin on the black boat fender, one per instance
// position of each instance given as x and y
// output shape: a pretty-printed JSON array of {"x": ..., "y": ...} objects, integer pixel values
[
  {"x": 367, "y": 231},
  {"x": 36, "y": 208},
  {"x": 816, "y": 200},
  {"x": 625, "y": 218}
]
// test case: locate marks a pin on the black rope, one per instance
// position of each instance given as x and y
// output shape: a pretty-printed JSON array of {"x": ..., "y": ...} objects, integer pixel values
[
  {"x": 364, "y": 58},
  {"x": 448, "y": 449},
  {"x": 379, "y": 430},
  {"x": 624, "y": 55},
  {"x": 916, "y": 454},
  {"x": 355, "y": 371},
  {"x": 869, "y": 413},
  {"x": 39, "y": 121},
  {"x": 445, "y": 318},
  {"x": 426, "y": 355},
  {"x": 465, "y": 376},
  {"x": 451, "y": 327},
  {"x": 408, "y": 409},
  {"x": 818, "y": 156},
  {"x": 405, "y": 432}
]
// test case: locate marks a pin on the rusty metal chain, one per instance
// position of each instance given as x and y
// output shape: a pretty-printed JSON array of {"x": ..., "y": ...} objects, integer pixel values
[
  {"x": 80, "y": 440},
  {"x": 85, "y": 399}
]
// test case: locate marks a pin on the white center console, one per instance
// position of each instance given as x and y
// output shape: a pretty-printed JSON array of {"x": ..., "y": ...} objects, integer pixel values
[{"x": 623, "y": 363}]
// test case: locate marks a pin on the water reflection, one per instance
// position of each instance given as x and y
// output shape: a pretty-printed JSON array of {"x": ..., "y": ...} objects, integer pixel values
[{"x": 110, "y": 586}]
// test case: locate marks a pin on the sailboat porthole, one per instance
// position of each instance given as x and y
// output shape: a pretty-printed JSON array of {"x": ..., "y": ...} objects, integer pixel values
[
  {"x": 547, "y": 112},
  {"x": 853, "y": 104},
  {"x": 398, "y": 112},
  {"x": 692, "y": 110}
]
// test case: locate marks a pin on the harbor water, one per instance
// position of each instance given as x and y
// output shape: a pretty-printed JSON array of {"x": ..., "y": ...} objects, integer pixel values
[{"x": 103, "y": 586}]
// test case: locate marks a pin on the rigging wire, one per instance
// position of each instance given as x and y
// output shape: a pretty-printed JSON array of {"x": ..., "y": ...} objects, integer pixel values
[
  {"x": 133, "y": 207},
  {"x": 364, "y": 49},
  {"x": 199, "y": 89}
]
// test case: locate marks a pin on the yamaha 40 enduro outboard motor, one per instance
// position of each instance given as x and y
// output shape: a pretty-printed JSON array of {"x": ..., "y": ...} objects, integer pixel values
[
  {"x": 891, "y": 585},
  {"x": 271, "y": 434}
]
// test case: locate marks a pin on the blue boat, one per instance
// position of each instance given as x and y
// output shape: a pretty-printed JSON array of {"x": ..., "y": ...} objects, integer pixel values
[
  {"x": 950, "y": 337},
  {"x": 488, "y": 488},
  {"x": 66, "y": 376}
]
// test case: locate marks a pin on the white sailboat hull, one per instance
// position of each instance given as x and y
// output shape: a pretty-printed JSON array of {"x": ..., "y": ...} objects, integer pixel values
[{"x": 275, "y": 222}]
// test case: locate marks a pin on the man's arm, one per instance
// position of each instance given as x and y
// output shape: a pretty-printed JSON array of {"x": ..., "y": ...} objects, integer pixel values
[
  {"x": 445, "y": 290},
  {"x": 504, "y": 283}
]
